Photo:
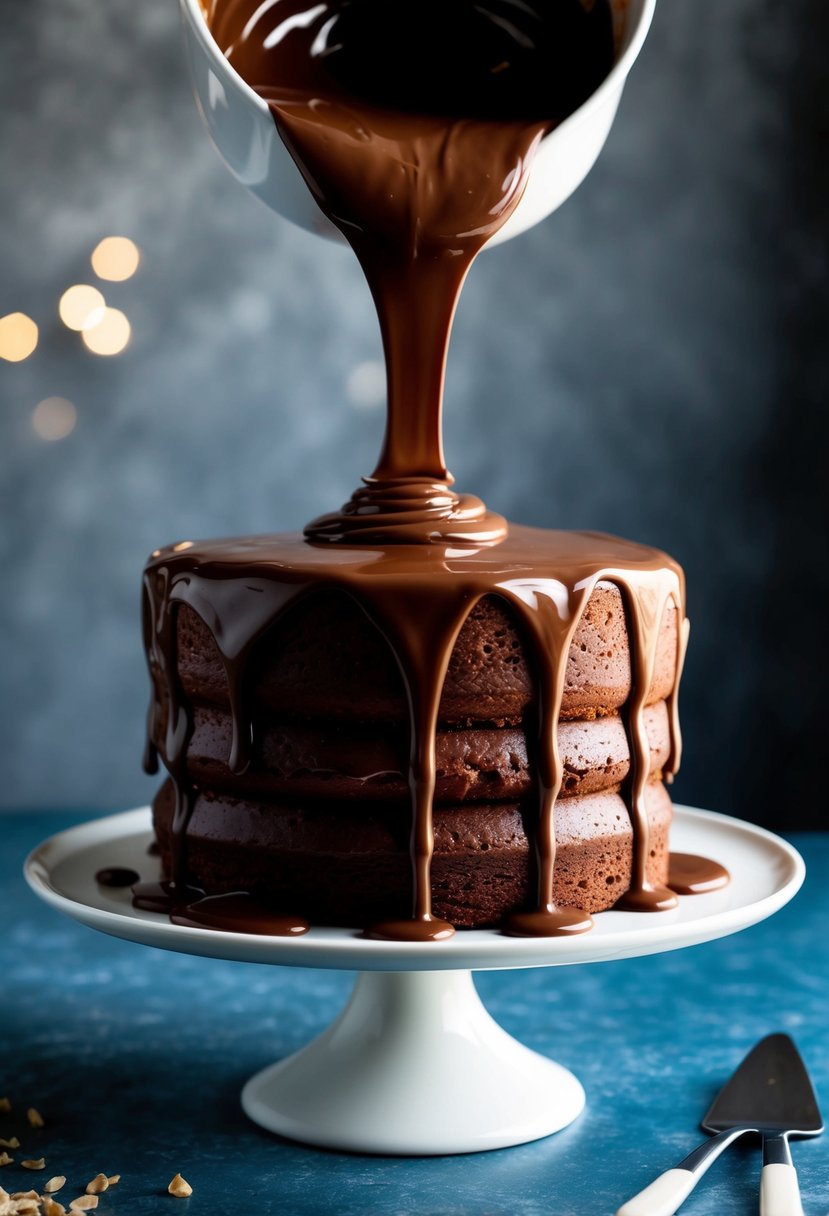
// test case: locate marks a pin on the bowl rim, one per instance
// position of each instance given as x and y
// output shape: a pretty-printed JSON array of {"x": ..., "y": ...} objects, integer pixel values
[{"x": 611, "y": 85}]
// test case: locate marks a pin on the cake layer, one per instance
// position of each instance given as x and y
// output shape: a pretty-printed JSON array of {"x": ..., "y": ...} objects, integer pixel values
[
  {"x": 301, "y": 759},
  {"x": 326, "y": 660},
  {"x": 349, "y": 864}
]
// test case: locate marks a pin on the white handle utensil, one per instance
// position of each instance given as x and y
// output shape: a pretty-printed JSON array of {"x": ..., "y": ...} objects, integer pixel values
[
  {"x": 779, "y": 1190},
  {"x": 769, "y": 1093},
  {"x": 669, "y": 1190}
]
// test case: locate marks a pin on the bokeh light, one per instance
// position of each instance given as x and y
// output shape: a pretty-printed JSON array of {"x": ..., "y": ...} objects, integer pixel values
[
  {"x": 18, "y": 337},
  {"x": 54, "y": 418},
  {"x": 109, "y": 335},
  {"x": 366, "y": 385},
  {"x": 81, "y": 306},
  {"x": 115, "y": 258}
]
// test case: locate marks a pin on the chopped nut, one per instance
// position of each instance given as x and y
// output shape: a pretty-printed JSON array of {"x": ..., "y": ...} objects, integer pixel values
[
  {"x": 5, "y": 1105},
  {"x": 52, "y": 1208},
  {"x": 180, "y": 1187},
  {"x": 5, "y": 1159},
  {"x": 36, "y": 1163},
  {"x": 98, "y": 1184},
  {"x": 21, "y": 1203},
  {"x": 55, "y": 1184},
  {"x": 114, "y": 1179},
  {"x": 35, "y": 1117},
  {"x": 12, "y": 1143},
  {"x": 83, "y": 1203},
  {"x": 24, "y": 1207}
]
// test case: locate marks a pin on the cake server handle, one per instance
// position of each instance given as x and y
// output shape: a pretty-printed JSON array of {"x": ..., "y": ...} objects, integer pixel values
[
  {"x": 669, "y": 1190},
  {"x": 779, "y": 1190}
]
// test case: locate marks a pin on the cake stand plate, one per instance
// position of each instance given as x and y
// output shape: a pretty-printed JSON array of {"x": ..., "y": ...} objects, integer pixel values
[{"x": 414, "y": 1064}]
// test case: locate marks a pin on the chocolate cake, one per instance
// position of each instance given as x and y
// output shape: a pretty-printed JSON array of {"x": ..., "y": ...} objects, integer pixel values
[
  {"x": 320, "y": 818},
  {"x": 414, "y": 716},
  {"x": 361, "y": 734}
]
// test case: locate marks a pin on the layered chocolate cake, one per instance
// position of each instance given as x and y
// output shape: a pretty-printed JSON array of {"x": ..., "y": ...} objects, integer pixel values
[
  {"x": 414, "y": 716},
  {"x": 358, "y": 734}
]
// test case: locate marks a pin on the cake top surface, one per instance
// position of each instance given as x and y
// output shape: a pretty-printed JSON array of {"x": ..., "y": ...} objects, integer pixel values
[{"x": 539, "y": 554}]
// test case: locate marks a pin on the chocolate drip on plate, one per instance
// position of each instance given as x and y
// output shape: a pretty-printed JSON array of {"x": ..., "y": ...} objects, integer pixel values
[
  {"x": 692, "y": 875},
  {"x": 238, "y": 912},
  {"x": 116, "y": 876}
]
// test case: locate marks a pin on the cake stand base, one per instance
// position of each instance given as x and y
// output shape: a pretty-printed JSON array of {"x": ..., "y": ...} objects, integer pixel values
[{"x": 414, "y": 1065}]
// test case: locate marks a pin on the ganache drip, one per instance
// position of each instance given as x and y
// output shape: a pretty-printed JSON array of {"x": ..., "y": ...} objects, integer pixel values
[{"x": 418, "y": 598}]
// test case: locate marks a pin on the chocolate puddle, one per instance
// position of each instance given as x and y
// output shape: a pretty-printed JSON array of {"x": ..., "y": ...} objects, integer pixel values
[
  {"x": 692, "y": 875},
  {"x": 116, "y": 876},
  {"x": 418, "y": 147},
  {"x": 238, "y": 912}
]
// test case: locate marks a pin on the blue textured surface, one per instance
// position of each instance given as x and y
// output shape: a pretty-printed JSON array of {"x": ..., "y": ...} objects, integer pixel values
[{"x": 136, "y": 1058}]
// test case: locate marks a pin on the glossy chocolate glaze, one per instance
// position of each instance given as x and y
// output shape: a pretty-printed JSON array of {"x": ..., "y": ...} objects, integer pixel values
[
  {"x": 164, "y": 896},
  {"x": 692, "y": 875},
  {"x": 418, "y": 597},
  {"x": 237, "y": 912},
  {"x": 116, "y": 876},
  {"x": 418, "y": 147},
  {"x": 415, "y": 132}
]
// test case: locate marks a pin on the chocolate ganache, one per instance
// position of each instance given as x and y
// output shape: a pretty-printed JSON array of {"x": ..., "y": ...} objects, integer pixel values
[
  {"x": 416, "y": 140},
  {"x": 415, "y": 129}
]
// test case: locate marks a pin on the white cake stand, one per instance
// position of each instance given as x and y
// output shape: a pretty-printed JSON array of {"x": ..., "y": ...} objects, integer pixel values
[{"x": 414, "y": 1064}]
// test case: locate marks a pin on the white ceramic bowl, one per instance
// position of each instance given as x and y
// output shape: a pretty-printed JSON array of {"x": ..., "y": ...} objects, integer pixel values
[{"x": 242, "y": 129}]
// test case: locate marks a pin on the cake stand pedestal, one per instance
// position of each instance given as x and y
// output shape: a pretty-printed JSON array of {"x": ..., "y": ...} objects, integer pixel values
[{"x": 414, "y": 1064}]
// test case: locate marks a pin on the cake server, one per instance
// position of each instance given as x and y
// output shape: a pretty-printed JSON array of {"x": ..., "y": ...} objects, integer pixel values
[{"x": 770, "y": 1093}]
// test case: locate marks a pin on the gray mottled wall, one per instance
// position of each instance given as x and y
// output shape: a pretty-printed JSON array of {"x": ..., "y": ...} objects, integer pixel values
[{"x": 648, "y": 361}]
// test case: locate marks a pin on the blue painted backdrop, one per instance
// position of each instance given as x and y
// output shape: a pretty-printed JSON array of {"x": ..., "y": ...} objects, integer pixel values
[{"x": 649, "y": 361}]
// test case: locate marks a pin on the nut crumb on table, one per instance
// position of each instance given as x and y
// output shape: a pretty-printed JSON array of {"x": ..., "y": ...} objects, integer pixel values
[{"x": 180, "y": 1187}]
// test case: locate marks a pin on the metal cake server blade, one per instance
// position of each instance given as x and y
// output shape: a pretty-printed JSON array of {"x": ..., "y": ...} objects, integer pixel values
[
  {"x": 773, "y": 1089},
  {"x": 769, "y": 1093}
]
